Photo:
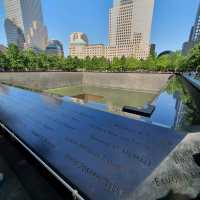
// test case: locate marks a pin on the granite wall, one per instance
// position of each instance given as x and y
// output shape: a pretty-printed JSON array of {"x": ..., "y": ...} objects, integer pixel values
[
  {"x": 46, "y": 80},
  {"x": 42, "y": 80},
  {"x": 131, "y": 81}
]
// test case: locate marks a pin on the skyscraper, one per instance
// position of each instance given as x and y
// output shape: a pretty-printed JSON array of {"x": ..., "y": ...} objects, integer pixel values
[
  {"x": 194, "y": 37},
  {"x": 2, "y": 48},
  {"x": 22, "y": 18},
  {"x": 130, "y": 24},
  {"x": 195, "y": 32},
  {"x": 130, "y": 27}
]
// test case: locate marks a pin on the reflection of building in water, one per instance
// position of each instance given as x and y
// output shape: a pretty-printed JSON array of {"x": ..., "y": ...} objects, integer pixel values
[
  {"x": 88, "y": 97},
  {"x": 113, "y": 108},
  {"x": 53, "y": 100},
  {"x": 180, "y": 109},
  {"x": 80, "y": 101},
  {"x": 94, "y": 101},
  {"x": 4, "y": 89}
]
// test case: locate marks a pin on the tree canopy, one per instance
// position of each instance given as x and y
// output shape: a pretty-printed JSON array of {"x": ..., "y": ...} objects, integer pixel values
[
  {"x": 15, "y": 59},
  {"x": 193, "y": 59}
]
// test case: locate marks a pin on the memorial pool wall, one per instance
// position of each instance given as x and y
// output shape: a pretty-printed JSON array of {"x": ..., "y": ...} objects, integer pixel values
[{"x": 148, "y": 82}]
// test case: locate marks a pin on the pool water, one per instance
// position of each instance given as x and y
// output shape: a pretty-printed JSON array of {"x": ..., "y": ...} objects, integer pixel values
[
  {"x": 113, "y": 99},
  {"x": 177, "y": 106}
]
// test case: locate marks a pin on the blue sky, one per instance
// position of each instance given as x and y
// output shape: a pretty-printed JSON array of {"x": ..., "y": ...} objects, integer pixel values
[{"x": 172, "y": 21}]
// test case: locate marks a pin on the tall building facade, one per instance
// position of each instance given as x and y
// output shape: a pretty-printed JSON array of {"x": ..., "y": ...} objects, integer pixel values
[
  {"x": 23, "y": 19},
  {"x": 36, "y": 37},
  {"x": 194, "y": 37},
  {"x": 2, "y": 48},
  {"x": 80, "y": 47},
  {"x": 130, "y": 24}
]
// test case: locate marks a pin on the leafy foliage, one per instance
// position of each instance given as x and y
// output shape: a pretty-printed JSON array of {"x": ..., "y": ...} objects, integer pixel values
[
  {"x": 193, "y": 60},
  {"x": 181, "y": 92},
  {"x": 15, "y": 59}
]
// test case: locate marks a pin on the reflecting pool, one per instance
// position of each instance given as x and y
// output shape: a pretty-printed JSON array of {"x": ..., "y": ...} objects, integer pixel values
[
  {"x": 177, "y": 105},
  {"x": 105, "y": 98}
]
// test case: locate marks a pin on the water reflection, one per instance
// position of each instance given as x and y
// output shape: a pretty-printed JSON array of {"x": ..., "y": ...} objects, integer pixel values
[
  {"x": 178, "y": 106},
  {"x": 114, "y": 98},
  {"x": 188, "y": 102},
  {"x": 52, "y": 100},
  {"x": 88, "y": 97},
  {"x": 4, "y": 89}
]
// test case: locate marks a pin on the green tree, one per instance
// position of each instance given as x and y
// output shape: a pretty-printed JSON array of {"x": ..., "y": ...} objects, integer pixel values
[
  {"x": 116, "y": 65},
  {"x": 162, "y": 63},
  {"x": 123, "y": 63},
  {"x": 15, "y": 58},
  {"x": 43, "y": 62},
  {"x": 133, "y": 64},
  {"x": 71, "y": 64},
  {"x": 88, "y": 64},
  {"x": 149, "y": 64},
  {"x": 193, "y": 60},
  {"x": 53, "y": 62},
  {"x": 104, "y": 64},
  {"x": 76, "y": 64},
  {"x": 61, "y": 62},
  {"x": 176, "y": 60},
  {"x": 4, "y": 64},
  {"x": 30, "y": 60}
]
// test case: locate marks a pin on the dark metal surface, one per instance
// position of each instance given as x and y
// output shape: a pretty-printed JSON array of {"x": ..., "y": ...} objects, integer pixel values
[
  {"x": 145, "y": 112},
  {"x": 105, "y": 156}
]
